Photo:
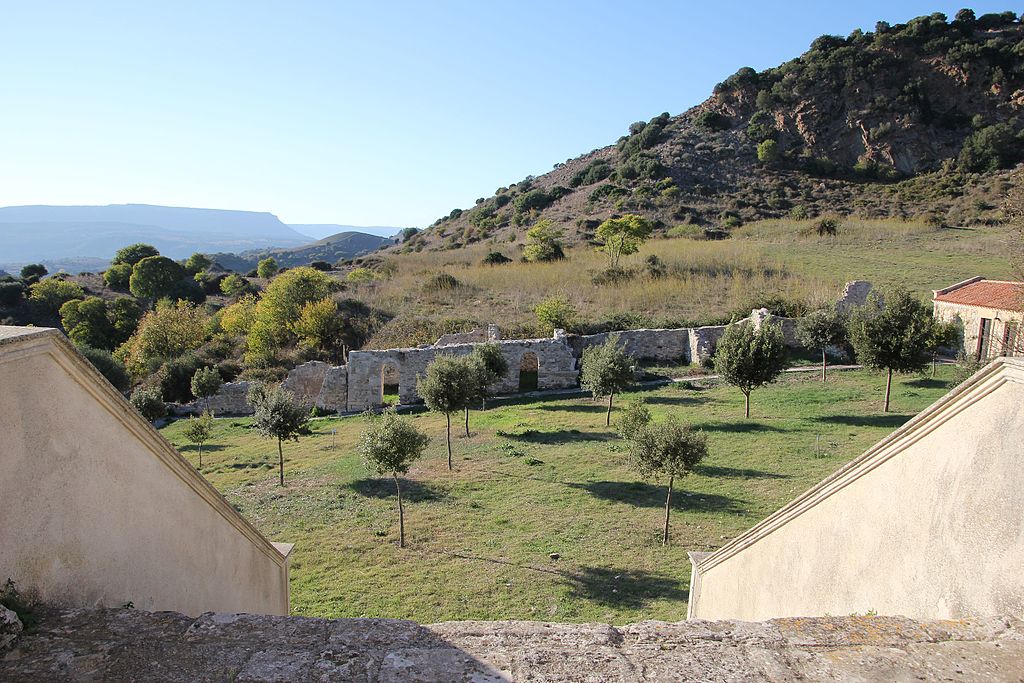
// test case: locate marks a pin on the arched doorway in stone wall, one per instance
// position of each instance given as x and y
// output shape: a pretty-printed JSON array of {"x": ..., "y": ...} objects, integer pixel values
[
  {"x": 529, "y": 371},
  {"x": 389, "y": 384}
]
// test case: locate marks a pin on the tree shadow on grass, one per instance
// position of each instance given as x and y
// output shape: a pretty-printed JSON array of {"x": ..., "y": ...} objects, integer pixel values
[
  {"x": 738, "y": 473},
  {"x": 678, "y": 400},
  {"x": 412, "y": 491},
  {"x": 207, "y": 448},
  {"x": 560, "y": 437},
  {"x": 927, "y": 383},
  {"x": 643, "y": 494},
  {"x": 624, "y": 587},
  {"x": 888, "y": 421},
  {"x": 576, "y": 408},
  {"x": 737, "y": 427}
]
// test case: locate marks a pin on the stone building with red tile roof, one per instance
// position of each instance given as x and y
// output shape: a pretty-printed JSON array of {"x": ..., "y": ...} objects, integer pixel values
[{"x": 990, "y": 312}]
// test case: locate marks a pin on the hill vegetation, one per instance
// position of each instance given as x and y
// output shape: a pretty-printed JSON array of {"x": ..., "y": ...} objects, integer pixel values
[{"x": 917, "y": 120}]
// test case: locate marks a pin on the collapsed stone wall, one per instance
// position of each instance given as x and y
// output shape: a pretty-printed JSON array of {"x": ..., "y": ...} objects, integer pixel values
[
  {"x": 557, "y": 368},
  {"x": 359, "y": 385}
]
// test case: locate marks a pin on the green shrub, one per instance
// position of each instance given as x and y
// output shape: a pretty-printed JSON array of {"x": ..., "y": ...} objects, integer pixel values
[
  {"x": 149, "y": 403},
  {"x": 608, "y": 191},
  {"x": 118, "y": 276},
  {"x": 768, "y": 151},
  {"x": 108, "y": 366},
  {"x": 593, "y": 172},
  {"x": 990, "y": 149},
  {"x": 53, "y": 293},
  {"x": 713, "y": 121},
  {"x": 555, "y": 312},
  {"x": 761, "y": 127},
  {"x": 360, "y": 275},
  {"x": 11, "y": 293},
  {"x": 442, "y": 282},
  {"x": 687, "y": 230},
  {"x": 495, "y": 258}
]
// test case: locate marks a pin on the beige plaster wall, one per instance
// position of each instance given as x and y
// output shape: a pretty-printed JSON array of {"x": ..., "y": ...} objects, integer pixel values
[
  {"x": 927, "y": 524},
  {"x": 969, "y": 319},
  {"x": 96, "y": 508}
]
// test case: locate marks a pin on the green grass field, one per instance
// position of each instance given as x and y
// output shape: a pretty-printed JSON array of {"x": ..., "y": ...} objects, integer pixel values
[{"x": 536, "y": 478}]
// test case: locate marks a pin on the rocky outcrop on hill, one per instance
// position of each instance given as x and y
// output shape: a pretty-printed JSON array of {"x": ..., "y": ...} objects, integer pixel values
[{"x": 131, "y": 645}]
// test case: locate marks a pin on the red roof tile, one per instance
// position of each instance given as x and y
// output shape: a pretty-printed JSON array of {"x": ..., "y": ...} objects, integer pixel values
[{"x": 1007, "y": 296}]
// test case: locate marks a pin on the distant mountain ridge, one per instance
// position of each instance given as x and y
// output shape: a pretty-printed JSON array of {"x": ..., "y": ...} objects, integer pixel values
[
  {"x": 53, "y": 233},
  {"x": 344, "y": 245},
  {"x": 325, "y": 230}
]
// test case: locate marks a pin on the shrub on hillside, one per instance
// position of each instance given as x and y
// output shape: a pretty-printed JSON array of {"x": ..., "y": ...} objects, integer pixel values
[
  {"x": 108, "y": 366},
  {"x": 593, "y": 172},
  {"x": 441, "y": 282},
  {"x": 687, "y": 230},
  {"x": 53, "y": 293},
  {"x": 149, "y": 403},
  {"x": 495, "y": 258},
  {"x": 11, "y": 293},
  {"x": 118, "y": 276},
  {"x": 713, "y": 121},
  {"x": 555, "y": 312}
]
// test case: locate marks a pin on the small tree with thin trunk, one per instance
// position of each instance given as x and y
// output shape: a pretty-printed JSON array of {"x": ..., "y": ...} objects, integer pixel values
[
  {"x": 487, "y": 365},
  {"x": 749, "y": 358},
  {"x": 205, "y": 383},
  {"x": 606, "y": 370},
  {"x": 446, "y": 388},
  {"x": 666, "y": 449},
  {"x": 278, "y": 416},
  {"x": 198, "y": 431},
  {"x": 389, "y": 445},
  {"x": 890, "y": 332},
  {"x": 942, "y": 335},
  {"x": 820, "y": 330}
]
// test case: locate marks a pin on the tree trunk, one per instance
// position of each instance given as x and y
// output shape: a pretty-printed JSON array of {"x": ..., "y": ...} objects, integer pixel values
[
  {"x": 467, "y": 422},
  {"x": 888, "y": 390},
  {"x": 448, "y": 437},
  {"x": 824, "y": 363},
  {"x": 668, "y": 510},
  {"x": 280, "y": 460},
  {"x": 608, "y": 415},
  {"x": 401, "y": 513},
  {"x": 746, "y": 404},
  {"x": 200, "y": 456},
  {"x": 935, "y": 358}
]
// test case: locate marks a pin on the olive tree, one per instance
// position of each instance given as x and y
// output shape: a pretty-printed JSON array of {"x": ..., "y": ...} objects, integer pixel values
[
  {"x": 389, "y": 445},
  {"x": 487, "y": 365},
  {"x": 820, "y": 330},
  {"x": 942, "y": 335},
  {"x": 278, "y": 416},
  {"x": 665, "y": 449},
  {"x": 749, "y": 358},
  {"x": 198, "y": 431},
  {"x": 891, "y": 332},
  {"x": 446, "y": 388},
  {"x": 606, "y": 370},
  {"x": 205, "y": 383}
]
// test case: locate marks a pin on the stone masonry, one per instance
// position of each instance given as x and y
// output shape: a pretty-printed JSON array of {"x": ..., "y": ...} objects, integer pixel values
[
  {"x": 166, "y": 647},
  {"x": 359, "y": 385}
]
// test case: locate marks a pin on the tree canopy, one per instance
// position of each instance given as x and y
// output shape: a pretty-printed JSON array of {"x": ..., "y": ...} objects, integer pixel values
[
  {"x": 544, "y": 242},
  {"x": 891, "y": 332},
  {"x": 134, "y": 253},
  {"x": 277, "y": 416},
  {"x": 821, "y": 329},
  {"x": 390, "y": 445},
  {"x": 280, "y": 307},
  {"x": 447, "y": 388},
  {"x": 154, "y": 277},
  {"x": 622, "y": 236},
  {"x": 749, "y": 358},
  {"x": 606, "y": 370}
]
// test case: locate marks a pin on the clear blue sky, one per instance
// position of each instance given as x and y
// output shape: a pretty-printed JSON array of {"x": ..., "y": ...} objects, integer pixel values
[{"x": 368, "y": 113}]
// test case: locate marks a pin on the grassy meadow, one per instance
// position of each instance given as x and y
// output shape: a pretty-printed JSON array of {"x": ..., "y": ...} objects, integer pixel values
[
  {"x": 536, "y": 478},
  {"x": 705, "y": 280}
]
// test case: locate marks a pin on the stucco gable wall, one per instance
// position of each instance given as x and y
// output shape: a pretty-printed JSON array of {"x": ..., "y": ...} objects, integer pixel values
[
  {"x": 927, "y": 524},
  {"x": 99, "y": 510}
]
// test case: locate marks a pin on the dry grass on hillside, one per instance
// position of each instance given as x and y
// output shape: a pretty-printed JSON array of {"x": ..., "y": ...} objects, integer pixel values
[{"x": 705, "y": 281}]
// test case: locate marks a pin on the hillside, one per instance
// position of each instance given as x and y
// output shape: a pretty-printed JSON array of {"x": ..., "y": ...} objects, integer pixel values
[
  {"x": 325, "y": 230},
  {"x": 910, "y": 120},
  {"x": 55, "y": 233}
]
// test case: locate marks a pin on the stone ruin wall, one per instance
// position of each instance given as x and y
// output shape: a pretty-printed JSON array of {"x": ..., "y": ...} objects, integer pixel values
[
  {"x": 359, "y": 385},
  {"x": 557, "y": 368}
]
